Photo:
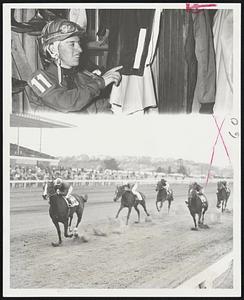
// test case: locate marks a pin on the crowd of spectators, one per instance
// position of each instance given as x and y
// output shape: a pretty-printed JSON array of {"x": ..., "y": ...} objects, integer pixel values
[{"x": 37, "y": 173}]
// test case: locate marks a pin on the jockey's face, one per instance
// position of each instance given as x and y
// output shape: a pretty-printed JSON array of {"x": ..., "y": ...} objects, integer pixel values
[{"x": 69, "y": 52}]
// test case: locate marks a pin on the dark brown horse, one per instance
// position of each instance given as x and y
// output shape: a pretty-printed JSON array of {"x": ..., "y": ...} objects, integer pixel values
[
  {"x": 128, "y": 199},
  {"x": 163, "y": 196},
  {"x": 60, "y": 212},
  {"x": 223, "y": 195},
  {"x": 197, "y": 207}
]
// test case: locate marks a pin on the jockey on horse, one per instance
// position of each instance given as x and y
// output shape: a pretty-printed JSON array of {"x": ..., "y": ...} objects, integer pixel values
[
  {"x": 199, "y": 191},
  {"x": 65, "y": 189},
  {"x": 164, "y": 183},
  {"x": 132, "y": 187},
  {"x": 222, "y": 185}
]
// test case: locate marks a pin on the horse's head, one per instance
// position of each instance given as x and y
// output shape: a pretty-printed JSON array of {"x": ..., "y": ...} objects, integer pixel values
[
  {"x": 48, "y": 189},
  {"x": 158, "y": 187},
  {"x": 118, "y": 192},
  {"x": 85, "y": 198},
  {"x": 192, "y": 193}
]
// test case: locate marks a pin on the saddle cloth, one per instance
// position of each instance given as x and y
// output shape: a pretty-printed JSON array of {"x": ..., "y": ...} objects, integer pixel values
[
  {"x": 203, "y": 199},
  {"x": 72, "y": 201}
]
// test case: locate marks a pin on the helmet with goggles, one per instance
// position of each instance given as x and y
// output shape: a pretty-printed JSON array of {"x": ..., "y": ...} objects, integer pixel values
[
  {"x": 59, "y": 30},
  {"x": 58, "y": 181}
]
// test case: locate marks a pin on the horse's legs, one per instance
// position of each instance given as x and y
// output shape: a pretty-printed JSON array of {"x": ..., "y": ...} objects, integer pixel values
[
  {"x": 66, "y": 229},
  {"x": 194, "y": 219},
  {"x": 203, "y": 213},
  {"x": 59, "y": 233},
  {"x": 121, "y": 207},
  {"x": 200, "y": 218},
  {"x": 222, "y": 206},
  {"x": 70, "y": 222},
  {"x": 128, "y": 215},
  {"x": 226, "y": 202},
  {"x": 79, "y": 216},
  {"x": 143, "y": 204},
  {"x": 157, "y": 206},
  {"x": 169, "y": 204},
  {"x": 138, "y": 213}
]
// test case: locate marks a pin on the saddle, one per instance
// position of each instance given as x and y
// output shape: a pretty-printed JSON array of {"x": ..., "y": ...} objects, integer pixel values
[{"x": 203, "y": 199}]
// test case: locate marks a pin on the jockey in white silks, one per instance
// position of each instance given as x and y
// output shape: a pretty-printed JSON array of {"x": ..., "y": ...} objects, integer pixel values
[{"x": 133, "y": 188}]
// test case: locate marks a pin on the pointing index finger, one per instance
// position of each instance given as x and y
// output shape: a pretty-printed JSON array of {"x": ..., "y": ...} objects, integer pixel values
[{"x": 116, "y": 68}]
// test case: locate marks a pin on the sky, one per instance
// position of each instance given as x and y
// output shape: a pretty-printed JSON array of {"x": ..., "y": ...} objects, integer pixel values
[{"x": 187, "y": 137}]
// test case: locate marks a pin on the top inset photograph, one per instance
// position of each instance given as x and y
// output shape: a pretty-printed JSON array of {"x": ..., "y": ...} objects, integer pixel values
[{"x": 122, "y": 61}]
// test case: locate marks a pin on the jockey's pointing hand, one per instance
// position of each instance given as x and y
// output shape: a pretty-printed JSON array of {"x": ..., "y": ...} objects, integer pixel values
[{"x": 112, "y": 76}]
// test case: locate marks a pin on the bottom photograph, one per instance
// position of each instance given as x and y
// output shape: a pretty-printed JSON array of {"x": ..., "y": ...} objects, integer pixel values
[{"x": 122, "y": 208}]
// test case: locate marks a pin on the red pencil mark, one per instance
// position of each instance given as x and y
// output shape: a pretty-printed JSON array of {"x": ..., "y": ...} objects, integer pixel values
[
  {"x": 196, "y": 8},
  {"x": 226, "y": 150},
  {"x": 215, "y": 143}
]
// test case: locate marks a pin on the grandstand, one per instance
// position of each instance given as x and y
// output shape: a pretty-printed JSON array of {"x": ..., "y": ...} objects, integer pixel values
[
  {"x": 32, "y": 120},
  {"x": 25, "y": 156}
]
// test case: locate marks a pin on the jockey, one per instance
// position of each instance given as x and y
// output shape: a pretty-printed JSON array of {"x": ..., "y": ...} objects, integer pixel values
[
  {"x": 165, "y": 184},
  {"x": 133, "y": 188},
  {"x": 64, "y": 85},
  {"x": 220, "y": 185},
  {"x": 64, "y": 189},
  {"x": 199, "y": 190}
]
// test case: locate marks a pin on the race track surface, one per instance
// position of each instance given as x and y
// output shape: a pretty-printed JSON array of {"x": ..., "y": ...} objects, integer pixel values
[{"x": 160, "y": 252}]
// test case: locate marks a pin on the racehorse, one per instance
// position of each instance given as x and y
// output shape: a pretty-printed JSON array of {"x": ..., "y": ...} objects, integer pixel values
[
  {"x": 162, "y": 196},
  {"x": 197, "y": 207},
  {"x": 128, "y": 199},
  {"x": 223, "y": 195},
  {"x": 60, "y": 212}
]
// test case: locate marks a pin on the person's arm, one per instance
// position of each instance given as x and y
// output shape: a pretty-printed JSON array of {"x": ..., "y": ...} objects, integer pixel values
[
  {"x": 69, "y": 191},
  {"x": 62, "y": 99},
  {"x": 134, "y": 188},
  {"x": 65, "y": 100}
]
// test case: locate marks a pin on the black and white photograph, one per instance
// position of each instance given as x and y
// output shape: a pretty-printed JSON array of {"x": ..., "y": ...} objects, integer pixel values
[
  {"x": 121, "y": 149},
  {"x": 122, "y": 61}
]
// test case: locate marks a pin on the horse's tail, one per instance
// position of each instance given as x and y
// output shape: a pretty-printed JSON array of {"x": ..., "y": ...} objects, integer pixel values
[
  {"x": 80, "y": 198},
  {"x": 85, "y": 197},
  {"x": 171, "y": 195}
]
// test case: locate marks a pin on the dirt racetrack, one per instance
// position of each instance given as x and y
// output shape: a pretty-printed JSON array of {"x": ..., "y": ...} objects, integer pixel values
[{"x": 160, "y": 252}]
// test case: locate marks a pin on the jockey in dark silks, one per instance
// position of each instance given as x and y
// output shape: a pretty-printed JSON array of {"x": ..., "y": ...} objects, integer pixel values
[
  {"x": 165, "y": 184},
  {"x": 199, "y": 191},
  {"x": 64, "y": 189}
]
